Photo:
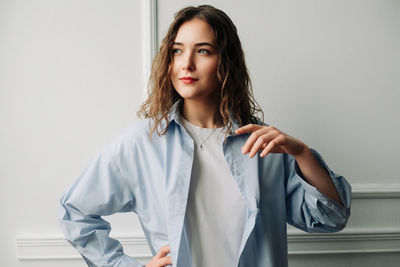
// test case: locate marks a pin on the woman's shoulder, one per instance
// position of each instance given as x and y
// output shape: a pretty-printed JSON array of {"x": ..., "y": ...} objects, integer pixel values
[
  {"x": 133, "y": 138},
  {"x": 139, "y": 131},
  {"x": 137, "y": 128}
]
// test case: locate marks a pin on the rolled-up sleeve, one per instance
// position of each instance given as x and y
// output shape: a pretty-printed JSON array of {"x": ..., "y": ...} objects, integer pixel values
[
  {"x": 99, "y": 191},
  {"x": 309, "y": 209}
]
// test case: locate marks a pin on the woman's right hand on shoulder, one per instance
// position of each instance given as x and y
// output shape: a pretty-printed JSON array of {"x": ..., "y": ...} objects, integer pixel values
[{"x": 161, "y": 259}]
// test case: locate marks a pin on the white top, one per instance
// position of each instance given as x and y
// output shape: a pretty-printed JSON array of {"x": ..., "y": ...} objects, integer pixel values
[{"x": 216, "y": 208}]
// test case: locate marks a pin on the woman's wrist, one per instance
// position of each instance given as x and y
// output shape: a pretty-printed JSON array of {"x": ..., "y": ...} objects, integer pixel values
[{"x": 302, "y": 152}]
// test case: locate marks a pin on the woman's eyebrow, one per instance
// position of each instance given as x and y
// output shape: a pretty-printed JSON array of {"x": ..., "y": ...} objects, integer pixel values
[{"x": 197, "y": 44}]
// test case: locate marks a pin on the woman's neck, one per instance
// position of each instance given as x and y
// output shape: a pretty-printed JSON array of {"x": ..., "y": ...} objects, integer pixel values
[{"x": 201, "y": 113}]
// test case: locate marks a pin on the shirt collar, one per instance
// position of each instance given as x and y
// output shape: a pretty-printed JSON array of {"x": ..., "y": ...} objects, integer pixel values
[{"x": 175, "y": 116}]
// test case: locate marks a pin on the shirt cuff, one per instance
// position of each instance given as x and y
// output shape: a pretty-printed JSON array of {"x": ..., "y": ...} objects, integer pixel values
[{"x": 316, "y": 193}]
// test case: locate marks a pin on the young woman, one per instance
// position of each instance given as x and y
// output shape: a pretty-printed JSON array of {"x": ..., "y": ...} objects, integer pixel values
[{"x": 211, "y": 184}]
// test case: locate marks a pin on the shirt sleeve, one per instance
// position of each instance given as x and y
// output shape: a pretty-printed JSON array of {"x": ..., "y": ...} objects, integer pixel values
[
  {"x": 310, "y": 210},
  {"x": 99, "y": 191}
]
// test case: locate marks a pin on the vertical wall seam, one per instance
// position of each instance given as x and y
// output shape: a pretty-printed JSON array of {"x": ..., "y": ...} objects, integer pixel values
[{"x": 149, "y": 38}]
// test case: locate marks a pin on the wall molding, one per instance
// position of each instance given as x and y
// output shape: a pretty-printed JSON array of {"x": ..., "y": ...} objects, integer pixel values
[
  {"x": 149, "y": 38},
  {"x": 348, "y": 241},
  {"x": 300, "y": 243},
  {"x": 57, "y": 248},
  {"x": 375, "y": 191},
  {"x": 345, "y": 242}
]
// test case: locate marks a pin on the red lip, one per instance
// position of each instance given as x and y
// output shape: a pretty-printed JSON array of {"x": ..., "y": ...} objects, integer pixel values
[{"x": 189, "y": 78}]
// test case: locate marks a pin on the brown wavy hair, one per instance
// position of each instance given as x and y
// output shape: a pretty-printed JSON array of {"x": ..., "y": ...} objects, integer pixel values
[{"x": 235, "y": 92}]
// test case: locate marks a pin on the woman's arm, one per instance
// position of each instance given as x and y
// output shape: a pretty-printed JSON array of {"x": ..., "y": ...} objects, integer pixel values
[
  {"x": 269, "y": 139},
  {"x": 316, "y": 175},
  {"x": 100, "y": 190}
]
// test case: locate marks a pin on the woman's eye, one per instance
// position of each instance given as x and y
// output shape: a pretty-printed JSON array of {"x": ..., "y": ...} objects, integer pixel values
[
  {"x": 176, "y": 51},
  {"x": 204, "y": 51}
]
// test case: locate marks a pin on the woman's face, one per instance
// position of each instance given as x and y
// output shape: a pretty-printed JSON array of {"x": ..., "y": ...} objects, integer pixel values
[{"x": 194, "y": 61}]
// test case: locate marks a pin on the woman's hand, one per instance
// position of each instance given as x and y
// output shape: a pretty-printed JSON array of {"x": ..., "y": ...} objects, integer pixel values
[
  {"x": 270, "y": 140},
  {"x": 161, "y": 259}
]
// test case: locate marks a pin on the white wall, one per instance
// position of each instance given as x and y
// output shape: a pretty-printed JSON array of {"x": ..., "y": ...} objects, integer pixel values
[
  {"x": 72, "y": 77},
  {"x": 326, "y": 72}
]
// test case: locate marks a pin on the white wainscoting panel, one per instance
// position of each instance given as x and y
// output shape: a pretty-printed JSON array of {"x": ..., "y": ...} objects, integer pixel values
[
  {"x": 51, "y": 248},
  {"x": 349, "y": 241},
  {"x": 345, "y": 242}
]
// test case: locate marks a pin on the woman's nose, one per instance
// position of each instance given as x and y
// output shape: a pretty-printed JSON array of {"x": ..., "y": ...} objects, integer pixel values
[{"x": 188, "y": 63}]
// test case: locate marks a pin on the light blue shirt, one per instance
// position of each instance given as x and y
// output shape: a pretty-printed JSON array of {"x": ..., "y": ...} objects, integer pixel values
[{"x": 152, "y": 178}]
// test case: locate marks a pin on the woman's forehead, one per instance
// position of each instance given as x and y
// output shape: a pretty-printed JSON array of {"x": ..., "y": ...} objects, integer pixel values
[{"x": 195, "y": 31}]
